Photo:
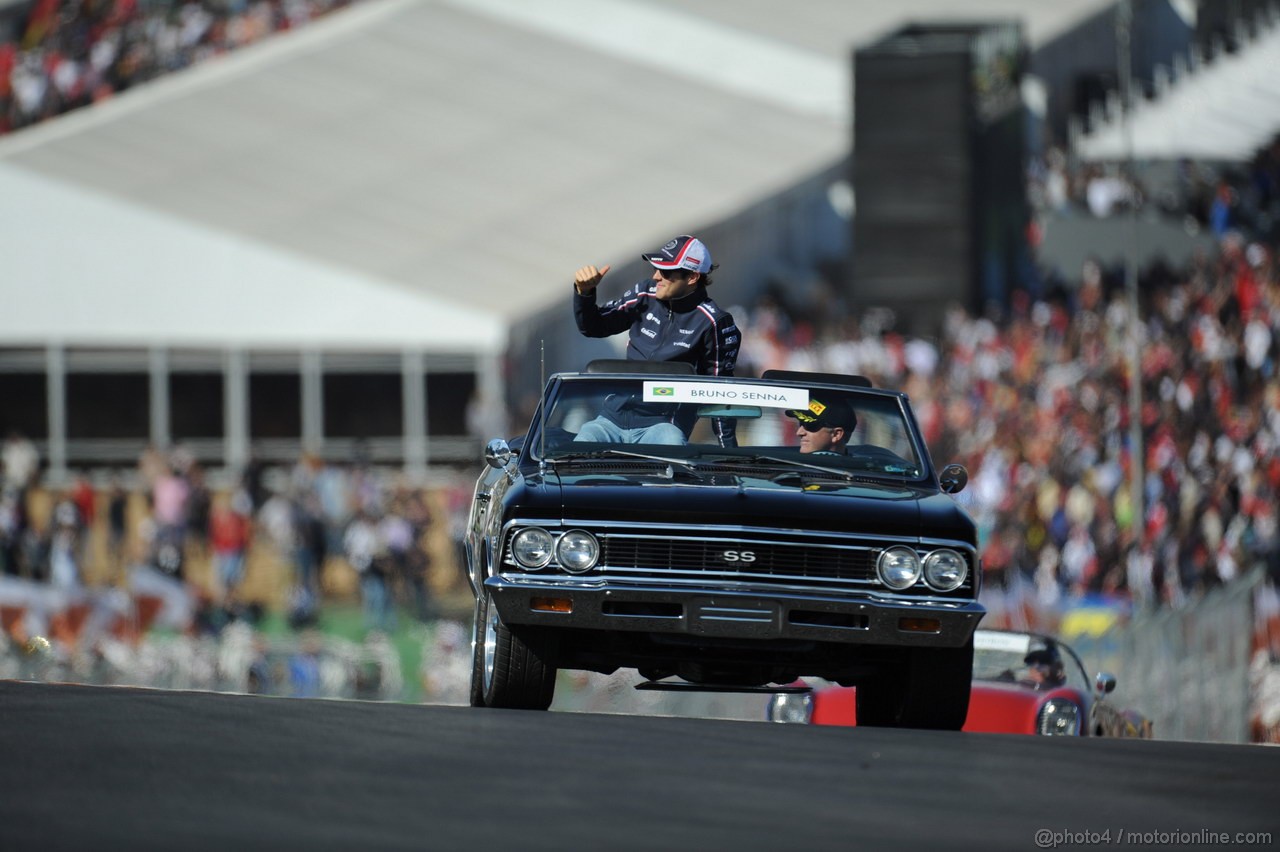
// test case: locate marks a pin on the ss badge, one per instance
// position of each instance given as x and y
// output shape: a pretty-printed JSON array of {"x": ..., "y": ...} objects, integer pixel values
[{"x": 739, "y": 556}]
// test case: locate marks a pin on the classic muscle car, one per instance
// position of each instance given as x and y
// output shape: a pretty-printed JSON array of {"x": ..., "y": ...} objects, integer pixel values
[
  {"x": 725, "y": 567},
  {"x": 1023, "y": 683}
]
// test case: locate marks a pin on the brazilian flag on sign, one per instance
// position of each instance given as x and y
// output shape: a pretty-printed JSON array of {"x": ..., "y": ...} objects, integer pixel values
[{"x": 664, "y": 391}]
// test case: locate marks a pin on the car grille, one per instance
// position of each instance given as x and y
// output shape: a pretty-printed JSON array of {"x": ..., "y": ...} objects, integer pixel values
[{"x": 635, "y": 556}]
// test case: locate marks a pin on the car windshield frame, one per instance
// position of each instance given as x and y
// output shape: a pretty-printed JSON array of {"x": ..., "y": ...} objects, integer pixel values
[
  {"x": 999, "y": 658},
  {"x": 884, "y": 418}
]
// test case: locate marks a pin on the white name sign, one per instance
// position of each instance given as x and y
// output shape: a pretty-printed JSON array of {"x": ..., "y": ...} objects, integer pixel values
[
  {"x": 1017, "y": 643},
  {"x": 714, "y": 393}
]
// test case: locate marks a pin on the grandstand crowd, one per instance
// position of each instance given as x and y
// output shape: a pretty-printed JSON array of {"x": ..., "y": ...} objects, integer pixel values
[
  {"x": 1035, "y": 406},
  {"x": 254, "y": 543},
  {"x": 66, "y": 55},
  {"x": 1215, "y": 198},
  {"x": 97, "y": 567}
]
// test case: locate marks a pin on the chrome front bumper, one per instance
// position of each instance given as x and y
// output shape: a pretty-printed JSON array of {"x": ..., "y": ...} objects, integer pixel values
[{"x": 861, "y": 618}]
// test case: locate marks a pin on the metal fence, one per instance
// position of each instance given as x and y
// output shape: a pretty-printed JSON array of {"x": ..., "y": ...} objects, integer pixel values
[
  {"x": 1187, "y": 670},
  {"x": 242, "y": 660}
]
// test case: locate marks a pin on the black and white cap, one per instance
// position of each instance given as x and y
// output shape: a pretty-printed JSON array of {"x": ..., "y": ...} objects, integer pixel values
[
  {"x": 684, "y": 252},
  {"x": 834, "y": 412}
]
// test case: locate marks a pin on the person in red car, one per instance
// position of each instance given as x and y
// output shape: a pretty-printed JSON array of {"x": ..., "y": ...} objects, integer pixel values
[{"x": 1044, "y": 669}]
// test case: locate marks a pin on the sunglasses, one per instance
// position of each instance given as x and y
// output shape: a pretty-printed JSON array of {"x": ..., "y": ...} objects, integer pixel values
[
  {"x": 673, "y": 274},
  {"x": 814, "y": 427}
]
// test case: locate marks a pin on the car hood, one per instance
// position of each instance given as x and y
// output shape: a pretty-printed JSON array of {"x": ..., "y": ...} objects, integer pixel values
[
  {"x": 870, "y": 506},
  {"x": 996, "y": 707}
]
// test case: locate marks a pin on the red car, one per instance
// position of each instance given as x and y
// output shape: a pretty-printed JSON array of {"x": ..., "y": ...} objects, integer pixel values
[{"x": 1023, "y": 683}]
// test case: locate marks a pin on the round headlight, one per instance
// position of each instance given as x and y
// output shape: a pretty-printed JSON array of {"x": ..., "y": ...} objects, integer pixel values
[
  {"x": 1059, "y": 718},
  {"x": 898, "y": 567},
  {"x": 532, "y": 547},
  {"x": 791, "y": 708},
  {"x": 577, "y": 551},
  {"x": 945, "y": 570}
]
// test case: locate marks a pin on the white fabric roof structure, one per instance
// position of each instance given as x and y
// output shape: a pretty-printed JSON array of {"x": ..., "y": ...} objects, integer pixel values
[
  {"x": 1226, "y": 111},
  {"x": 422, "y": 173},
  {"x": 127, "y": 275}
]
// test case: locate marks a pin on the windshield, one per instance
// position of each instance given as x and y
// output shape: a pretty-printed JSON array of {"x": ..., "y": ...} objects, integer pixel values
[
  {"x": 812, "y": 430},
  {"x": 1026, "y": 659}
]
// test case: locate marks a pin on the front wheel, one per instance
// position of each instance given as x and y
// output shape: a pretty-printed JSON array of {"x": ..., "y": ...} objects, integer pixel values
[
  {"x": 477, "y": 651},
  {"x": 930, "y": 690},
  {"x": 505, "y": 670}
]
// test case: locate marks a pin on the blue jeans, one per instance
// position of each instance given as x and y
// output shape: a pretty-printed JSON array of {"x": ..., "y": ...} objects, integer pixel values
[
  {"x": 230, "y": 569},
  {"x": 605, "y": 431},
  {"x": 378, "y": 614}
]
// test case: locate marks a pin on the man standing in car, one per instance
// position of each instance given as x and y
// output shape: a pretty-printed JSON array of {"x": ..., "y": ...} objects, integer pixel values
[{"x": 669, "y": 317}]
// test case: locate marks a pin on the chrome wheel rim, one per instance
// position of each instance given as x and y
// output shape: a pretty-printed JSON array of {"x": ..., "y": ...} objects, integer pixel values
[{"x": 490, "y": 643}]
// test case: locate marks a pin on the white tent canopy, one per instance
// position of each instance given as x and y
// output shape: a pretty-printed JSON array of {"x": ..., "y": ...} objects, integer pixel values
[
  {"x": 84, "y": 269},
  {"x": 421, "y": 173},
  {"x": 1226, "y": 111}
]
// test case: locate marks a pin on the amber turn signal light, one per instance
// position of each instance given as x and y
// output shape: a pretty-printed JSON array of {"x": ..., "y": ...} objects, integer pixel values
[
  {"x": 551, "y": 604},
  {"x": 920, "y": 625}
]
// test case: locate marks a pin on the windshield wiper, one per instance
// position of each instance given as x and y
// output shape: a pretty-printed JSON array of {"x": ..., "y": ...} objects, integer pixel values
[
  {"x": 684, "y": 464},
  {"x": 793, "y": 463}
]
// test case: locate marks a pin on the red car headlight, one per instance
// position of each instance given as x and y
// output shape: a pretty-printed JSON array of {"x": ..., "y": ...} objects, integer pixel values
[
  {"x": 1059, "y": 717},
  {"x": 791, "y": 708}
]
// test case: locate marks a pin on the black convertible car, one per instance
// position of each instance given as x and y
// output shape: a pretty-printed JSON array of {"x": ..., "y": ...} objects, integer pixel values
[{"x": 731, "y": 533}]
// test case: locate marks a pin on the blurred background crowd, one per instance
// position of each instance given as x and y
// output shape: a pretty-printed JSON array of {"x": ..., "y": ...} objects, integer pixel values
[
  {"x": 1215, "y": 198},
  {"x": 67, "y": 55},
  {"x": 1035, "y": 406},
  {"x": 288, "y": 551}
]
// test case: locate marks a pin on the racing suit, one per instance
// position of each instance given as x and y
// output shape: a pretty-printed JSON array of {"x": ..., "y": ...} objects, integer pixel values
[{"x": 692, "y": 329}]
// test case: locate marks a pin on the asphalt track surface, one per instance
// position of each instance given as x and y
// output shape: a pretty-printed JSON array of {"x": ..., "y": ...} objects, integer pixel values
[{"x": 111, "y": 768}]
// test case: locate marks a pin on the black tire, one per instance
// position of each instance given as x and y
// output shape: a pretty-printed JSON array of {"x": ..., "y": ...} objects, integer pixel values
[
  {"x": 930, "y": 690},
  {"x": 477, "y": 652},
  {"x": 519, "y": 677}
]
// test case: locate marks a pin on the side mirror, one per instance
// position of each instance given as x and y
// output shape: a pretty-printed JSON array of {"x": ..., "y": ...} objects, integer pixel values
[
  {"x": 953, "y": 478},
  {"x": 1105, "y": 683},
  {"x": 497, "y": 453}
]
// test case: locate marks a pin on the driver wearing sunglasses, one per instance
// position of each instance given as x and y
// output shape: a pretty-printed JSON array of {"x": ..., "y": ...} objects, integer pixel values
[{"x": 825, "y": 426}]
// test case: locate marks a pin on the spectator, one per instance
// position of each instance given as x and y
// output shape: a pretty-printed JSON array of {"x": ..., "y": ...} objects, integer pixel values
[
  {"x": 310, "y": 542},
  {"x": 64, "y": 548},
  {"x": 169, "y": 507},
  {"x": 21, "y": 462},
  {"x": 229, "y": 539},
  {"x": 364, "y": 552},
  {"x": 396, "y": 535},
  {"x": 198, "y": 508},
  {"x": 418, "y": 560},
  {"x": 85, "y": 500},
  {"x": 117, "y": 526},
  {"x": 11, "y": 523}
]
